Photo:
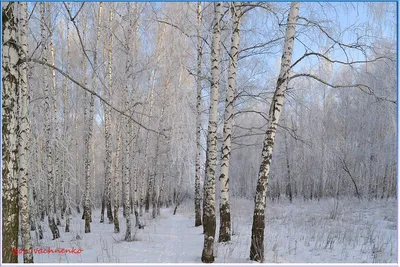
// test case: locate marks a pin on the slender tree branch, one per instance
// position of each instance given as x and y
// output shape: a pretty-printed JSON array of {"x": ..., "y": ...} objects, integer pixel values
[
  {"x": 338, "y": 61},
  {"x": 72, "y": 19},
  {"x": 364, "y": 88},
  {"x": 95, "y": 94},
  {"x": 82, "y": 45}
]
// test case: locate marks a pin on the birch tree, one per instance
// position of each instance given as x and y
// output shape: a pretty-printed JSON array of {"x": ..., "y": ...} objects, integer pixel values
[
  {"x": 258, "y": 227},
  {"x": 88, "y": 141},
  {"x": 23, "y": 144},
  {"x": 107, "y": 123},
  {"x": 224, "y": 206},
  {"x": 127, "y": 128},
  {"x": 56, "y": 155},
  {"x": 67, "y": 197},
  {"x": 49, "y": 152},
  {"x": 209, "y": 219},
  {"x": 10, "y": 213},
  {"x": 151, "y": 177},
  {"x": 197, "y": 198},
  {"x": 117, "y": 178}
]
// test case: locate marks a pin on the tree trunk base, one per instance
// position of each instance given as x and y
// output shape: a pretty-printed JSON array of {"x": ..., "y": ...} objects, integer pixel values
[
  {"x": 257, "y": 238},
  {"x": 208, "y": 250},
  {"x": 54, "y": 229},
  {"x": 67, "y": 225}
]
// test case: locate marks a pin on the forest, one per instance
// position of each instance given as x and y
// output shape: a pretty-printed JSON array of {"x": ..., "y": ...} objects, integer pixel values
[{"x": 199, "y": 132}]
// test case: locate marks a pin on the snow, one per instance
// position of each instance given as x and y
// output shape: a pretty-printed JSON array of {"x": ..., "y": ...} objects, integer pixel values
[{"x": 302, "y": 232}]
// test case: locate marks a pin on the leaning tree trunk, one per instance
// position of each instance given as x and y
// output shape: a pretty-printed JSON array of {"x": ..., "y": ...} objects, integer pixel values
[
  {"x": 257, "y": 232},
  {"x": 224, "y": 207},
  {"x": 197, "y": 199},
  {"x": 24, "y": 130},
  {"x": 10, "y": 213},
  {"x": 209, "y": 220},
  {"x": 50, "y": 177}
]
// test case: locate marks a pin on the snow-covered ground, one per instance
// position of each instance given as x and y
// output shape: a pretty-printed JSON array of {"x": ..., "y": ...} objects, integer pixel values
[{"x": 303, "y": 232}]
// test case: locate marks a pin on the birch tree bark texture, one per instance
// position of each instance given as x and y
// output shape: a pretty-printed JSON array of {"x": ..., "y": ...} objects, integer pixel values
[
  {"x": 24, "y": 129},
  {"x": 209, "y": 219},
  {"x": 224, "y": 207},
  {"x": 67, "y": 196},
  {"x": 257, "y": 232},
  {"x": 48, "y": 138},
  {"x": 107, "y": 122},
  {"x": 10, "y": 213},
  {"x": 197, "y": 199}
]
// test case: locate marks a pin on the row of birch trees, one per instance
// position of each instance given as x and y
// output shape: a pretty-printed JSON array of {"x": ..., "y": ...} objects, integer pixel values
[
  {"x": 134, "y": 106},
  {"x": 287, "y": 78}
]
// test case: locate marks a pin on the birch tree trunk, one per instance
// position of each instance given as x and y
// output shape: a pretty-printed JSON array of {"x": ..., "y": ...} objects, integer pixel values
[
  {"x": 160, "y": 193},
  {"x": 150, "y": 186},
  {"x": 127, "y": 127},
  {"x": 209, "y": 220},
  {"x": 77, "y": 163},
  {"x": 107, "y": 121},
  {"x": 133, "y": 136},
  {"x": 117, "y": 178},
  {"x": 24, "y": 129},
  {"x": 56, "y": 159},
  {"x": 88, "y": 138},
  {"x": 289, "y": 182},
  {"x": 10, "y": 213},
  {"x": 128, "y": 233},
  {"x": 197, "y": 199},
  {"x": 257, "y": 232},
  {"x": 50, "y": 175},
  {"x": 224, "y": 207},
  {"x": 67, "y": 196}
]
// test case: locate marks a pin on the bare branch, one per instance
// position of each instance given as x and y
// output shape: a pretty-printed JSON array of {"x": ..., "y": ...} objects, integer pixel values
[
  {"x": 82, "y": 45},
  {"x": 95, "y": 94},
  {"x": 338, "y": 61},
  {"x": 364, "y": 88}
]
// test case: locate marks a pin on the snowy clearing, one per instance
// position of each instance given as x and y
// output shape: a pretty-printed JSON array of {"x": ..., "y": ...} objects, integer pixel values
[{"x": 302, "y": 232}]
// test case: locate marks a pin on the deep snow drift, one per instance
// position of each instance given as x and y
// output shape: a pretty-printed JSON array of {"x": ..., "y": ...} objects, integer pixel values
[{"x": 352, "y": 230}]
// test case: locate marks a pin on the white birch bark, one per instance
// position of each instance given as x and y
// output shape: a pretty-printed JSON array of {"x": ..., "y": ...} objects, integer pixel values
[
  {"x": 117, "y": 178},
  {"x": 107, "y": 120},
  {"x": 150, "y": 184},
  {"x": 56, "y": 159},
  {"x": 49, "y": 152},
  {"x": 126, "y": 163},
  {"x": 10, "y": 214},
  {"x": 88, "y": 138},
  {"x": 67, "y": 195},
  {"x": 197, "y": 200},
  {"x": 224, "y": 206},
  {"x": 257, "y": 235},
  {"x": 24, "y": 130},
  {"x": 209, "y": 219}
]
